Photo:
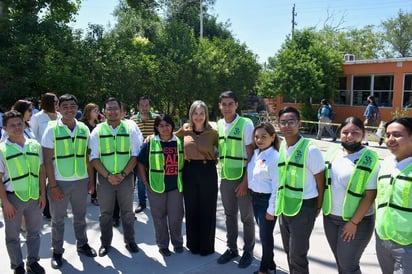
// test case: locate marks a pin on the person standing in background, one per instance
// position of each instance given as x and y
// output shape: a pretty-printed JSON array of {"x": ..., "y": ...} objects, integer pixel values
[
  {"x": 199, "y": 179},
  {"x": 66, "y": 159},
  {"x": 372, "y": 119},
  {"x": 394, "y": 200},
  {"x": 324, "y": 114},
  {"x": 235, "y": 150},
  {"x": 351, "y": 175},
  {"x": 114, "y": 146},
  {"x": 262, "y": 182},
  {"x": 38, "y": 123},
  {"x": 300, "y": 189},
  {"x": 145, "y": 121}
]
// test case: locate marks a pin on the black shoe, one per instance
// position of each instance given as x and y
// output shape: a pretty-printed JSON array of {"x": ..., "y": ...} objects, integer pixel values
[
  {"x": 366, "y": 144},
  {"x": 35, "y": 268},
  {"x": 87, "y": 250},
  {"x": 116, "y": 222},
  {"x": 103, "y": 250},
  {"x": 178, "y": 249},
  {"x": 132, "y": 247},
  {"x": 20, "y": 270},
  {"x": 227, "y": 256},
  {"x": 56, "y": 260},
  {"x": 381, "y": 141},
  {"x": 140, "y": 208},
  {"x": 246, "y": 260},
  {"x": 334, "y": 139},
  {"x": 165, "y": 252}
]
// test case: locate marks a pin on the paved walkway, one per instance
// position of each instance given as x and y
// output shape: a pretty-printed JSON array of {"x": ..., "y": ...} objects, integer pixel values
[{"x": 148, "y": 260}]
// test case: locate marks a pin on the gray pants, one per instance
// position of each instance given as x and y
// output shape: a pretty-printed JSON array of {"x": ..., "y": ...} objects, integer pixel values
[
  {"x": 348, "y": 254},
  {"x": 295, "y": 232},
  {"x": 76, "y": 193},
  {"x": 33, "y": 218},
  {"x": 167, "y": 212},
  {"x": 392, "y": 257},
  {"x": 232, "y": 205},
  {"x": 325, "y": 126},
  {"x": 107, "y": 195}
]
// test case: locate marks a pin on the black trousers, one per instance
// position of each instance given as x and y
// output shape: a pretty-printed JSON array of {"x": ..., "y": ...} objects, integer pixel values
[{"x": 200, "y": 198}]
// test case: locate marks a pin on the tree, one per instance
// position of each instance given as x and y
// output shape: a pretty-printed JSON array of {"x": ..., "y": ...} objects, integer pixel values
[
  {"x": 305, "y": 69},
  {"x": 398, "y": 33}
]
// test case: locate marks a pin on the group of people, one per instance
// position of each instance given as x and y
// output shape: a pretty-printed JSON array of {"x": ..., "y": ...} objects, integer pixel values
[{"x": 263, "y": 177}]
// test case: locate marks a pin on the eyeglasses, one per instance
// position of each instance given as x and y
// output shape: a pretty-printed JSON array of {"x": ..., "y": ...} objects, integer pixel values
[
  {"x": 112, "y": 109},
  {"x": 290, "y": 123}
]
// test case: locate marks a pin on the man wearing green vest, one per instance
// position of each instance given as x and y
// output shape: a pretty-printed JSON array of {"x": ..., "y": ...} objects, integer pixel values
[
  {"x": 235, "y": 151},
  {"x": 65, "y": 149},
  {"x": 300, "y": 189},
  {"x": 145, "y": 121},
  {"x": 114, "y": 146},
  {"x": 22, "y": 192}
]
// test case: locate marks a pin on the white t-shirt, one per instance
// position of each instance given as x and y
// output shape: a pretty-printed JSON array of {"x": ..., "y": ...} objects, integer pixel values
[
  {"x": 48, "y": 142},
  {"x": 247, "y": 132},
  {"x": 314, "y": 165},
  {"x": 38, "y": 123},
  {"x": 341, "y": 170},
  {"x": 262, "y": 174},
  {"x": 3, "y": 168}
]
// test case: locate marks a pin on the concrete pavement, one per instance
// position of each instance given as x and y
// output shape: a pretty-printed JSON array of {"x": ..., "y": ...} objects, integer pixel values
[{"x": 148, "y": 260}]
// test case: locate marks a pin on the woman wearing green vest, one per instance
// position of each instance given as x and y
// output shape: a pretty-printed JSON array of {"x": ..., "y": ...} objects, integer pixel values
[
  {"x": 160, "y": 166},
  {"x": 351, "y": 174},
  {"x": 394, "y": 200}
]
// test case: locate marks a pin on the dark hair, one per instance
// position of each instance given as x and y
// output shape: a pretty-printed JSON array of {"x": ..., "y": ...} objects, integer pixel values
[
  {"x": 163, "y": 117},
  {"x": 269, "y": 128},
  {"x": 67, "y": 97},
  {"x": 11, "y": 114},
  {"x": 370, "y": 97},
  {"x": 112, "y": 99},
  {"x": 48, "y": 102},
  {"x": 324, "y": 102},
  {"x": 87, "y": 111},
  {"x": 144, "y": 97},
  {"x": 353, "y": 120},
  {"x": 404, "y": 121},
  {"x": 228, "y": 94},
  {"x": 22, "y": 106},
  {"x": 289, "y": 110}
]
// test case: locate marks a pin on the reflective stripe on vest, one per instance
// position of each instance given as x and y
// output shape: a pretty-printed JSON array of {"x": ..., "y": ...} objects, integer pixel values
[
  {"x": 114, "y": 149},
  {"x": 394, "y": 205},
  {"x": 231, "y": 150},
  {"x": 70, "y": 154},
  {"x": 291, "y": 175},
  {"x": 23, "y": 169},
  {"x": 355, "y": 190},
  {"x": 157, "y": 166}
]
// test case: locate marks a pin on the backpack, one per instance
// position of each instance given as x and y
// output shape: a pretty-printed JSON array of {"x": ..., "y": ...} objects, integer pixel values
[
  {"x": 377, "y": 116},
  {"x": 332, "y": 114}
]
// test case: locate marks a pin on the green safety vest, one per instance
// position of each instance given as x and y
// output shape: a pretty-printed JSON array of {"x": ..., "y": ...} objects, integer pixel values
[
  {"x": 114, "y": 149},
  {"x": 70, "y": 154},
  {"x": 231, "y": 150},
  {"x": 291, "y": 174},
  {"x": 23, "y": 169},
  {"x": 157, "y": 166},
  {"x": 364, "y": 168},
  {"x": 394, "y": 205}
]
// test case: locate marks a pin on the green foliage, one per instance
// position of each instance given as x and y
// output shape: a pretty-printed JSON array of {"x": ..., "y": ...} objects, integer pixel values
[
  {"x": 398, "y": 33},
  {"x": 400, "y": 112}
]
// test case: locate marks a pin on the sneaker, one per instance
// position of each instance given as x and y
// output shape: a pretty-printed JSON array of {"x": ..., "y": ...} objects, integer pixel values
[
  {"x": 35, "y": 268},
  {"x": 20, "y": 270},
  {"x": 132, "y": 247},
  {"x": 87, "y": 250},
  {"x": 227, "y": 256},
  {"x": 381, "y": 141},
  {"x": 246, "y": 260},
  {"x": 140, "y": 208},
  {"x": 165, "y": 252},
  {"x": 178, "y": 249},
  {"x": 56, "y": 260}
]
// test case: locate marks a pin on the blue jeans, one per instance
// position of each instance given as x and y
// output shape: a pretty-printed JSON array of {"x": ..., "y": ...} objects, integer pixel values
[{"x": 260, "y": 204}]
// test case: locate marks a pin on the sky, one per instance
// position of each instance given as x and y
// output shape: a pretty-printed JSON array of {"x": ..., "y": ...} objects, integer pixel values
[{"x": 264, "y": 24}]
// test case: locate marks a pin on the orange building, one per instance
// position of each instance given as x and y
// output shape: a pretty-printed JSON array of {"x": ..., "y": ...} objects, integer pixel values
[{"x": 388, "y": 80}]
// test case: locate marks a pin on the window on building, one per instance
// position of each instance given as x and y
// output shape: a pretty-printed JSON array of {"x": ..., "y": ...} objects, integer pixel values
[
  {"x": 383, "y": 90},
  {"x": 361, "y": 89},
  {"x": 407, "y": 91},
  {"x": 342, "y": 94}
]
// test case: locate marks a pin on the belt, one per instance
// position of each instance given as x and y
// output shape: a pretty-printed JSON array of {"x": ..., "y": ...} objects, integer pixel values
[
  {"x": 200, "y": 161},
  {"x": 259, "y": 194}
]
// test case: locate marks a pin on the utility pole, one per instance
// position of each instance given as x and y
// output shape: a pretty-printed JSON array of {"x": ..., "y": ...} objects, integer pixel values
[
  {"x": 294, "y": 13},
  {"x": 201, "y": 18}
]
